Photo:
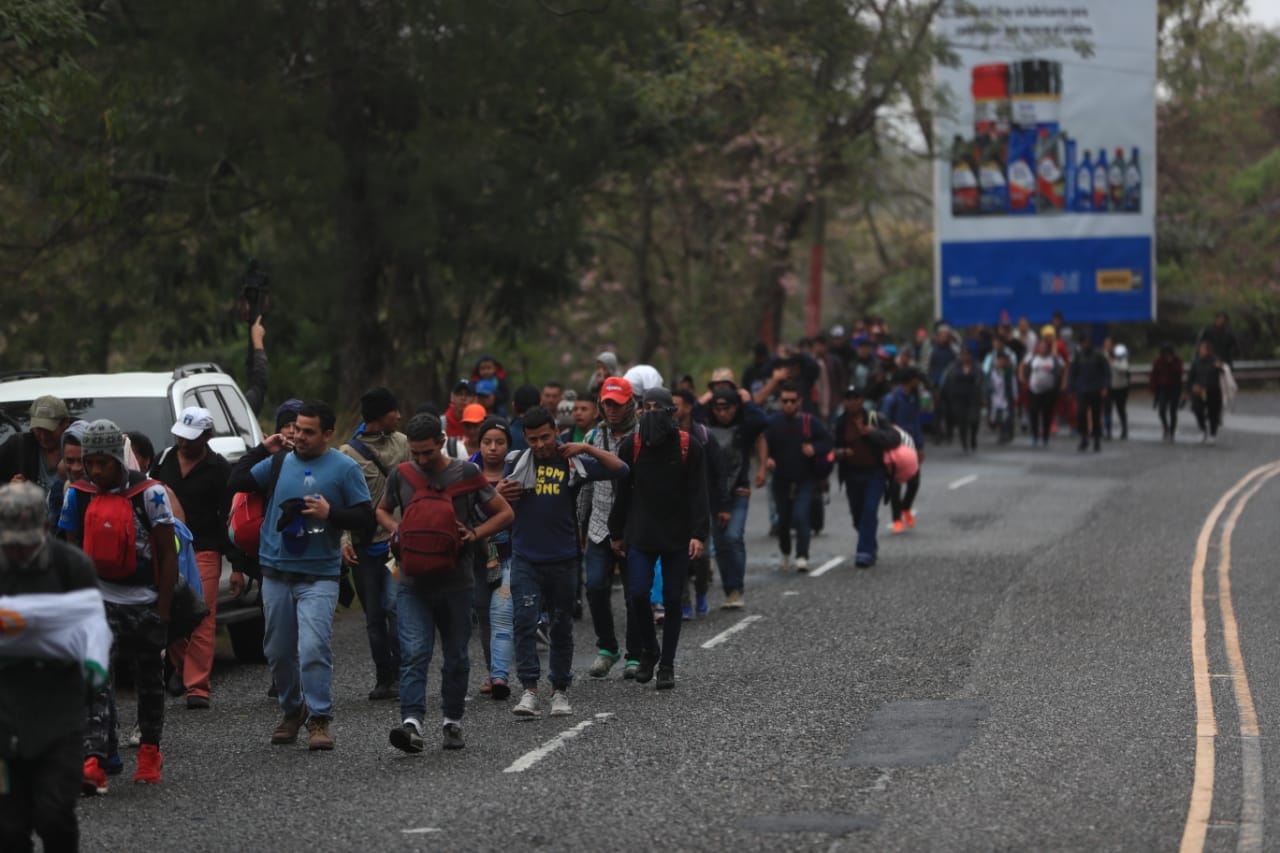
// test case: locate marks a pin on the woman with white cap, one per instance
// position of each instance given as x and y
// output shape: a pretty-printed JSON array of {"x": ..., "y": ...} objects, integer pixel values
[{"x": 1118, "y": 398}]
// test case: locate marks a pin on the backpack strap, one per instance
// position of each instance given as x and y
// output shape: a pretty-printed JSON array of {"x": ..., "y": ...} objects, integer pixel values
[
  {"x": 367, "y": 452},
  {"x": 684, "y": 447},
  {"x": 467, "y": 486},
  {"x": 277, "y": 463},
  {"x": 409, "y": 471}
]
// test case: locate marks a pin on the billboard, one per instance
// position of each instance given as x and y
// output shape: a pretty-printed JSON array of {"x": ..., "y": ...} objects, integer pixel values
[{"x": 1044, "y": 192}]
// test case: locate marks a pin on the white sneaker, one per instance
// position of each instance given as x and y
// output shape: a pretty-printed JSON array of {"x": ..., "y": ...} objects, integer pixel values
[
  {"x": 1213, "y": 439},
  {"x": 802, "y": 564},
  {"x": 528, "y": 705},
  {"x": 733, "y": 601},
  {"x": 560, "y": 704},
  {"x": 786, "y": 562},
  {"x": 135, "y": 736}
]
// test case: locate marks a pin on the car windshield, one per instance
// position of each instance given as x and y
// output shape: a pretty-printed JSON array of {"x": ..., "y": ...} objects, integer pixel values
[{"x": 150, "y": 415}]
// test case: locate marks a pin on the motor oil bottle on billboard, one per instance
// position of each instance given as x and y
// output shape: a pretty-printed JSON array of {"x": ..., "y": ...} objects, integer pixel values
[
  {"x": 1022, "y": 171},
  {"x": 1133, "y": 184},
  {"x": 964, "y": 179},
  {"x": 1050, "y": 157},
  {"x": 1084, "y": 185},
  {"x": 993, "y": 189},
  {"x": 1115, "y": 180},
  {"x": 1101, "y": 199}
]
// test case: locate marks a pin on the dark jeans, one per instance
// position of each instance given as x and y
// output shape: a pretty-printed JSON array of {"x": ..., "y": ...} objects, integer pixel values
[
  {"x": 483, "y": 597},
  {"x": 901, "y": 502},
  {"x": 138, "y": 638},
  {"x": 1167, "y": 405},
  {"x": 1118, "y": 401},
  {"x": 1089, "y": 409},
  {"x": 420, "y": 618},
  {"x": 374, "y": 583},
  {"x": 865, "y": 490},
  {"x": 1042, "y": 406},
  {"x": 42, "y": 795},
  {"x": 599, "y": 561},
  {"x": 553, "y": 587},
  {"x": 793, "y": 499},
  {"x": 1208, "y": 411},
  {"x": 640, "y": 569}
]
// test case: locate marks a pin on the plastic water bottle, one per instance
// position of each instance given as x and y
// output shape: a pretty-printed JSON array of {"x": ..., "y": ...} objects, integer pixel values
[{"x": 311, "y": 490}]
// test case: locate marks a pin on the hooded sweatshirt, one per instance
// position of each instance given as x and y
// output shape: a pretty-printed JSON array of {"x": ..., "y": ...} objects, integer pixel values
[{"x": 662, "y": 502}]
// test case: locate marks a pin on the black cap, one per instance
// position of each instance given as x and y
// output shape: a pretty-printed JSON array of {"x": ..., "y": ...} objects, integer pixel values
[
  {"x": 726, "y": 394},
  {"x": 463, "y": 386},
  {"x": 855, "y": 391},
  {"x": 526, "y": 397},
  {"x": 659, "y": 395},
  {"x": 376, "y": 402}
]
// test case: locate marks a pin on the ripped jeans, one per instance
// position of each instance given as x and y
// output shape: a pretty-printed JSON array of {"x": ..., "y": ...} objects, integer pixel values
[
  {"x": 536, "y": 587},
  {"x": 501, "y": 643}
]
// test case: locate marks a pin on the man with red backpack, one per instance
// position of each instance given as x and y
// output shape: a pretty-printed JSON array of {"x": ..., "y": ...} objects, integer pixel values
[
  {"x": 124, "y": 523},
  {"x": 660, "y": 512},
  {"x": 798, "y": 452},
  {"x": 438, "y": 545}
]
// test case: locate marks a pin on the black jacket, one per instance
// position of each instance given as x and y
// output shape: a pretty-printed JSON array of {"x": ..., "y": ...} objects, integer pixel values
[
  {"x": 20, "y": 455},
  {"x": 1090, "y": 372},
  {"x": 1206, "y": 374},
  {"x": 203, "y": 495},
  {"x": 662, "y": 502}
]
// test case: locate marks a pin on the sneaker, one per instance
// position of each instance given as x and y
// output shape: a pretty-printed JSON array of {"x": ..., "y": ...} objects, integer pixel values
[
  {"x": 384, "y": 690},
  {"x": 196, "y": 702},
  {"x": 486, "y": 689},
  {"x": 603, "y": 663},
  {"x": 862, "y": 562},
  {"x": 802, "y": 564},
  {"x": 149, "y": 763},
  {"x": 701, "y": 606},
  {"x": 659, "y": 614},
  {"x": 451, "y": 737},
  {"x": 407, "y": 737},
  {"x": 644, "y": 674},
  {"x": 319, "y": 735},
  {"x": 786, "y": 563},
  {"x": 95, "y": 778},
  {"x": 733, "y": 601},
  {"x": 287, "y": 731},
  {"x": 272, "y": 692},
  {"x": 135, "y": 736},
  {"x": 686, "y": 612},
  {"x": 629, "y": 669},
  {"x": 114, "y": 765},
  {"x": 1213, "y": 439},
  {"x": 174, "y": 684},
  {"x": 499, "y": 690},
  {"x": 908, "y": 518},
  {"x": 666, "y": 678},
  {"x": 560, "y": 706},
  {"x": 528, "y": 705}
]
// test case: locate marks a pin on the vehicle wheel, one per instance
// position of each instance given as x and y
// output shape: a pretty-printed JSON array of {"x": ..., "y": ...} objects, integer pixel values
[{"x": 246, "y": 639}]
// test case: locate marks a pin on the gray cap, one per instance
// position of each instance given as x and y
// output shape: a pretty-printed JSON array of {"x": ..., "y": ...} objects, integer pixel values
[
  {"x": 659, "y": 395},
  {"x": 22, "y": 514},
  {"x": 103, "y": 438}
]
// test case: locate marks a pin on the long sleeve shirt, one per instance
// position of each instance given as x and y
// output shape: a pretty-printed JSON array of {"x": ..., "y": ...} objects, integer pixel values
[{"x": 662, "y": 502}]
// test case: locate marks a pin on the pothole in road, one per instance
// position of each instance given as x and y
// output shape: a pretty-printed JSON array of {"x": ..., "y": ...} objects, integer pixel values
[
  {"x": 917, "y": 734},
  {"x": 979, "y": 521},
  {"x": 831, "y": 824}
]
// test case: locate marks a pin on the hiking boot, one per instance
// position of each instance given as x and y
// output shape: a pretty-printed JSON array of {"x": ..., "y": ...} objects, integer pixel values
[
  {"x": 407, "y": 737},
  {"x": 666, "y": 678},
  {"x": 499, "y": 690},
  {"x": 387, "y": 689},
  {"x": 733, "y": 601},
  {"x": 802, "y": 564},
  {"x": 908, "y": 518},
  {"x": 603, "y": 663},
  {"x": 528, "y": 705},
  {"x": 95, "y": 778},
  {"x": 644, "y": 674},
  {"x": 287, "y": 731},
  {"x": 898, "y": 527},
  {"x": 319, "y": 735},
  {"x": 560, "y": 704},
  {"x": 196, "y": 702},
  {"x": 451, "y": 737},
  {"x": 701, "y": 606},
  {"x": 149, "y": 763},
  {"x": 629, "y": 669}
]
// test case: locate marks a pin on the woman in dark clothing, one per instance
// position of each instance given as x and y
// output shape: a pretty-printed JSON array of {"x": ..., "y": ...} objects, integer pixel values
[
  {"x": 1204, "y": 388},
  {"x": 962, "y": 388},
  {"x": 1166, "y": 388}
]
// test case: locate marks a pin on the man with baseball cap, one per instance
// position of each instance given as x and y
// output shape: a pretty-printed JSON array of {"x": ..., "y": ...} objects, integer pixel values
[
  {"x": 33, "y": 456},
  {"x": 462, "y": 395},
  {"x": 137, "y": 585},
  {"x": 41, "y": 701},
  {"x": 377, "y": 447},
  {"x": 198, "y": 476},
  {"x": 472, "y": 417}
]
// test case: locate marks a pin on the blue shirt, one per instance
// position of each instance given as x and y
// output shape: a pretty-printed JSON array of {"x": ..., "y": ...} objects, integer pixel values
[
  {"x": 342, "y": 483},
  {"x": 903, "y": 409},
  {"x": 546, "y": 526}
]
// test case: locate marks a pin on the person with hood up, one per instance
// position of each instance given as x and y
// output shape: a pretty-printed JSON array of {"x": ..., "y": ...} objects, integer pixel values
[{"x": 606, "y": 366}]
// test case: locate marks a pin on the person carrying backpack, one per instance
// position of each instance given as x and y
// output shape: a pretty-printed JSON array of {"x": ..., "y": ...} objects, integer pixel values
[
  {"x": 860, "y": 441},
  {"x": 797, "y": 443},
  {"x": 438, "y": 550},
  {"x": 124, "y": 522}
]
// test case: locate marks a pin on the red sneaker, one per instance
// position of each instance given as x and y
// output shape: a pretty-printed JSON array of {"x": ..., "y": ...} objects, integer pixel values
[
  {"x": 908, "y": 518},
  {"x": 95, "y": 778},
  {"x": 149, "y": 763},
  {"x": 897, "y": 527}
]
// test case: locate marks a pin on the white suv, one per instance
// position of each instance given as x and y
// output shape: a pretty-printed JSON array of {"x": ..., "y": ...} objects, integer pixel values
[{"x": 150, "y": 403}]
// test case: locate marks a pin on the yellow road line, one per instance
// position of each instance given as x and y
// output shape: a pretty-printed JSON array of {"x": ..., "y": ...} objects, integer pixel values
[{"x": 1201, "y": 805}]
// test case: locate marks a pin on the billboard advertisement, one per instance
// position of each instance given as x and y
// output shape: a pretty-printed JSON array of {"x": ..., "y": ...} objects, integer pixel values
[{"x": 1045, "y": 183}]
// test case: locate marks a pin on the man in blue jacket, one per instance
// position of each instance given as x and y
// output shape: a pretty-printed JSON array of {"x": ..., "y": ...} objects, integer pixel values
[{"x": 796, "y": 440}]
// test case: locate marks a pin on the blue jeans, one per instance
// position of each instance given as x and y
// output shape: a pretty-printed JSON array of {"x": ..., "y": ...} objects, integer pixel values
[
  {"x": 793, "y": 498},
  {"x": 377, "y": 597},
  {"x": 865, "y": 490},
  {"x": 298, "y": 642},
  {"x": 731, "y": 545},
  {"x": 598, "y": 562},
  {"x": 535, "y": 586},
  {"x": 502, "y": 645},
  {"x": 420, "y": 617},
  {"x": 640, "y": 574}
]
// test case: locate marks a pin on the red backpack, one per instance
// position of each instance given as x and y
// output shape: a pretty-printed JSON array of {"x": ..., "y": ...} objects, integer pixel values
[
  {"x": 248, "y": 509},
  {"x": 426, "y": 542},
  {"x": 684, "y": 447},
  {"x": 110, "y": 533}
]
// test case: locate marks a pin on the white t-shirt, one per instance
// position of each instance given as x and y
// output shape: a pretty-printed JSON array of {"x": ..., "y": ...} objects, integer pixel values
[{"x": 1042, "y": 373}]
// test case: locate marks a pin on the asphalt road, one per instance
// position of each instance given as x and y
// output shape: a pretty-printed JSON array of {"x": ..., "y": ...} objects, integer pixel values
[{"x": 1015, "y": 674}]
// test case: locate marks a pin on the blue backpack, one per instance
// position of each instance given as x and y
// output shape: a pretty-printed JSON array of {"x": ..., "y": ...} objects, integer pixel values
[{"x": 187, "y": 566}]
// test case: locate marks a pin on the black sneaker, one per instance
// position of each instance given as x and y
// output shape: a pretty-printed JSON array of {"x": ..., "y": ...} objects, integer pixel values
[
  {"x": 644, "y": 673},
  {"x": 173, "y": 684},
  {"x": 407, "y": 737},
  {"x": 453, "y": 736},
  {"x": 195, "y": 702},
  {"x": 666, "y": 678},
  {"x": 384, "y": 690}
]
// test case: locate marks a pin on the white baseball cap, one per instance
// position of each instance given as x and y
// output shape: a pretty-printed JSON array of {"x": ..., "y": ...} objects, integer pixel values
[{"x": 192, "y": 423}]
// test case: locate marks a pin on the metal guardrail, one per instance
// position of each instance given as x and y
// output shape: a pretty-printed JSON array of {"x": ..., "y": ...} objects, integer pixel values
[{"x": 1245, "y": 372}]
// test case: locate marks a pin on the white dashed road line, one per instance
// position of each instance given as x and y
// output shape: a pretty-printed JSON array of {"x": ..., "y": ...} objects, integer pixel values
[
  {"x": 962, "y": 482},
  {"x": 529, "y": 759},
  {"x": 826, "y": 567},
  {"x": 730, "y": 631},
  {"x": 422, "y": 830}
]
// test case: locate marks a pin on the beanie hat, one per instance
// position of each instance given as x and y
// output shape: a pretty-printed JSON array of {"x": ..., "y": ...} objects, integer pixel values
[
  {"x": 288, "y": 412},
  {"x": 377, "y": 402},
  {"x": 103, "y": 438},
  {"x": 659, "y": 395},
  {"x": 497, "y": 423},
  {"x": 73, "y": 434},
  {"x": 22, "y": 514}
]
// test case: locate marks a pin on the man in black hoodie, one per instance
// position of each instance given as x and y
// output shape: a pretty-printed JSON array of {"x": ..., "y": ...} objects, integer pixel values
[
  {"x": 660, "y": 512},
  {"x": 1089, "y": 378}
]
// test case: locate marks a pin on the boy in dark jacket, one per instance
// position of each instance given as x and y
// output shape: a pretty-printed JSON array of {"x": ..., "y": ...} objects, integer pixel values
[
  {"x": 861, "y": 440},
  {"x": 795, "y": 440}
]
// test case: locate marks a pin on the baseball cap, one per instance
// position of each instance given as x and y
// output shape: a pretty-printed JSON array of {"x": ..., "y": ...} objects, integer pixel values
[
  {"x": 48, "y": 412},
  {"x": 474, "y": 414},
  {"x": 1047, "y": 331},
  {"x": 1122, "y": 351},
  {"x": 616, "y": 389},
  {"x": 485, "y": 387},
  {"x": 855, "y": 391},
  {"x": 722, "y": 374},
  {"x": 837, "y": 331},
  {"x": 726, "y": 394},
  {"x": 22, "y": 514},
  {"x": 192, "y": 423}
]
